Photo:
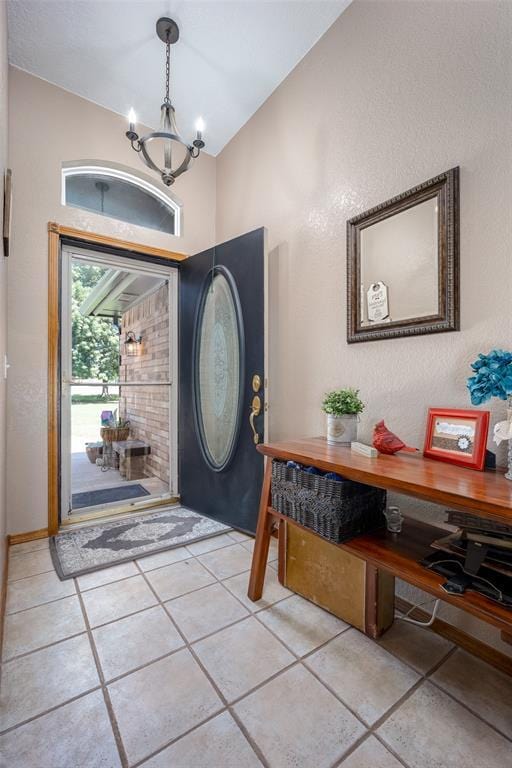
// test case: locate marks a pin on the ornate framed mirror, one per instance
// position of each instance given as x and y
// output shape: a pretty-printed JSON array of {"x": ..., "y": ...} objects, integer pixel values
[{"x": 403, "y": 264}]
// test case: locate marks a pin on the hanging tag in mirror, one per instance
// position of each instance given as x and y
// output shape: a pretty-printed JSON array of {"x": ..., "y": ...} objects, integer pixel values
[{"x": 377, "y": 302}]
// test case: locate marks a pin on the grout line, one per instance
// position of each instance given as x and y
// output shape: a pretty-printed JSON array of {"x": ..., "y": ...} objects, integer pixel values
[
  {"x": 460, "y": 701},
  {"x": 43, "y": 647},
  {"x": 50, "y": 709},
  {"x": 45, "y": 602},
  {"x": 106, "y": 696}
]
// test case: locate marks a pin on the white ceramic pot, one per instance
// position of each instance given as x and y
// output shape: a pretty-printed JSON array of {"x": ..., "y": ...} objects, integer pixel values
[{"x": 341, "y": 429}]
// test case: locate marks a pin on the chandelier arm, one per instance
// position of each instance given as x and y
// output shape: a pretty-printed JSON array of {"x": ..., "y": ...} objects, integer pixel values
[
  {"x": 148, "y": 161},
  {"x": 184, "y": 165}
]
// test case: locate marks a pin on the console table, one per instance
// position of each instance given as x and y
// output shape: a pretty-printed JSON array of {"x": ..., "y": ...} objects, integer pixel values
[{"x": 487, "y": 494}]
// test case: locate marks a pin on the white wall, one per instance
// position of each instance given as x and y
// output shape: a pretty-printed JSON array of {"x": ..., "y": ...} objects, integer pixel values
[
  {"x": 393, "y": 94},
  {"x": 3, "y": 279},
  {"x": 49, "y": 126}
]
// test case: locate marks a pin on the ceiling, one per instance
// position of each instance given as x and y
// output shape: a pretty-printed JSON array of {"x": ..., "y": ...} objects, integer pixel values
[{"x": 230, "y": 56}]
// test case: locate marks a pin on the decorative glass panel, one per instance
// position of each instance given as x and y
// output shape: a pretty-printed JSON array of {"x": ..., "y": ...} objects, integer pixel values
[
  {"x": 218, "y": 375},
  {"x": 119, "y": 198}
]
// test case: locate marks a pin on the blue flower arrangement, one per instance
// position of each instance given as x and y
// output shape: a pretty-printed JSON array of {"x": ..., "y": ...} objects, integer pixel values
[{"x": 493, "y": 376}]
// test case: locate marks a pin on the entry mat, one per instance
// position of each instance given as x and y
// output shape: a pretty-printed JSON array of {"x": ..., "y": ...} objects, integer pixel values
[
  {"x": 100, "y": 546},
  {"x": 108, "y": 495}
]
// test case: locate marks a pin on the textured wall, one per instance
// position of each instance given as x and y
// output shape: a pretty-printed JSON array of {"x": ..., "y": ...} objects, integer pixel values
[
  {"x": 147, "y": 408},
  {"x": 394, "y": 93},
  {"x": 3, "y": 280},
  {"x": 68, "y": 128}
]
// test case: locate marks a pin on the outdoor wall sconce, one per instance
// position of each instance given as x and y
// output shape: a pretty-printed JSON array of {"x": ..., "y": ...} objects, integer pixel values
[{"x": 131, "y": 343}]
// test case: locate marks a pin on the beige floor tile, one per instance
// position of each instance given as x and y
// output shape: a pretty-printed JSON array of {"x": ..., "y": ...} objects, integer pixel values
[
  {"x": 210, "y": 544},
  {"x": 134, "y": 641},
  {"x": 364, "y": 675},
  {"x": 272, "y": 550},
  {"x": 227, "y": 561},
  {"x": 480, "y": 687},
  {"x": 371, "y": 754},
  {"x": 301, "y": 625},
  {"x": 242, "y": 656},
  {"x": 272, "y": 591},
  {"x": 419, "y": 647},
  {"x": 30, "y": 564},
  {"x": 205, "y": 611},
  {"x": 179, "y": 578},
  {"x": 113, "y": 601},
  {"x": 78, "y": 735},
  {"x": 239, "y": 536},
  {"x": 151, "y": 562},
  {"x": 297, "y": 722},
  {"x": 430, "y": 730},
  {"x": 46, "y": 678},
  {"x": 31, "y": 629},
  {"x": 28, "y": 546},
  {"x": 218, "y": 743},
  {"x": 36, "y": 590},
  {"x": 160, "y": 702},
  {"x": 107, "y": 576}
]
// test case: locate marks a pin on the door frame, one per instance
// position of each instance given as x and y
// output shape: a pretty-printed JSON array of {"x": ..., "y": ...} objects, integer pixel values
[{"x": 92, "y": 240}]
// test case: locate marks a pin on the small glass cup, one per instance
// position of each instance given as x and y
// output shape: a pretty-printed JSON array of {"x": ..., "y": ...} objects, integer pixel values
[{"x": 394, "y": 519}]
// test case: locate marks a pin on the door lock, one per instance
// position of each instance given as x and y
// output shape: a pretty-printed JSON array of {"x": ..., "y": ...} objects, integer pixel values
[
  {"x": 255, "y": 411},
  {"x": 256, "y": 383}
]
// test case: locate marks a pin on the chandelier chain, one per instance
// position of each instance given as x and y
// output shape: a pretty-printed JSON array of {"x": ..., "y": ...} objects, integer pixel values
[{"x": 167, "y": 71}]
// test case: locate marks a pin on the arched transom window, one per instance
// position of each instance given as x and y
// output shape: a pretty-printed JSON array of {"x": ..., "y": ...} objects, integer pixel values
[{"x": 120, "y": 195}]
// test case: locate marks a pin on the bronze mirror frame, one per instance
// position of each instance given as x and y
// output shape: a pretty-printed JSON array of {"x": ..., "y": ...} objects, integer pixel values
[{"x": 444, "y": 187}]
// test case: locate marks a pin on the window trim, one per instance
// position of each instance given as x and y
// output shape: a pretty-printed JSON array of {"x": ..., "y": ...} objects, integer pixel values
[{"x": 128, "y": 177}]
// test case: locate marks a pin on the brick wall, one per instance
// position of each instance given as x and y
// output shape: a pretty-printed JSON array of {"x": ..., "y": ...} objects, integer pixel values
[{"x": 146, "y": 407}]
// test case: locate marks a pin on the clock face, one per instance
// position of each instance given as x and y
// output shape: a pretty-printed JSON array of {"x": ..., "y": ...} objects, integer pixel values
[{"x": 464, "y": 443}]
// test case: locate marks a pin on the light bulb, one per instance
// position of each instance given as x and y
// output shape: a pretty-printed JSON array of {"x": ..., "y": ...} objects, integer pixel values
[
  {"x": 199, "y": 126},
  {"x": 132, "y": 117}
]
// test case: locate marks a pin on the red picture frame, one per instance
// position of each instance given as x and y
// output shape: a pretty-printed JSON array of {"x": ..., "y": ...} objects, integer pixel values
[{"x": 457, "y": 436}]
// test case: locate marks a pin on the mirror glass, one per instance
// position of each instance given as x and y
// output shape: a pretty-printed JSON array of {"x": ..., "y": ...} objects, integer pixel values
[{"x": 399, "y": 266}]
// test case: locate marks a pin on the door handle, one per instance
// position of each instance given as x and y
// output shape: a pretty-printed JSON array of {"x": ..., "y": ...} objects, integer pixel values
[{"x": 255, "y": 411}]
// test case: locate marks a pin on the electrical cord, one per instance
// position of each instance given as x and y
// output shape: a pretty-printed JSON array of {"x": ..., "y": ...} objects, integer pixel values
[{"x": 428, "y": 623}]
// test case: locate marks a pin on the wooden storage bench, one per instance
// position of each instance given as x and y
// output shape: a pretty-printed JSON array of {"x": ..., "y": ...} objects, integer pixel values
[{"x": 132, "y": 458}]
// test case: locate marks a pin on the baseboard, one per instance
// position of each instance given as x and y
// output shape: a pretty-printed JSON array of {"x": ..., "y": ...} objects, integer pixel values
[
  {"x": 3, "y": 592},
  {"x": 21, "y": 538},
  {"x": 459, "y": 637}
]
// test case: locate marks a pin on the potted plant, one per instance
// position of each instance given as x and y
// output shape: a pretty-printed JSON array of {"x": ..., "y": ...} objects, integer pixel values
[{"x": 342, "y": 407}]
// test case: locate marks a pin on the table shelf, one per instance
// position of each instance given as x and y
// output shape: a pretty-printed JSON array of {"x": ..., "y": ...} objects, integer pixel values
[{"x": 400, "y": 555}]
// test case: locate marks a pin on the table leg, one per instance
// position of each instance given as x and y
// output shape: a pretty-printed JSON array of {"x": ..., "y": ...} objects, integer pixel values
[{"x": 261, "y": 544}]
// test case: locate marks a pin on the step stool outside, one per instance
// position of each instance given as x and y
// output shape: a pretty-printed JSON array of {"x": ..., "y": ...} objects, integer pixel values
[{"x": 132, "y": 458}]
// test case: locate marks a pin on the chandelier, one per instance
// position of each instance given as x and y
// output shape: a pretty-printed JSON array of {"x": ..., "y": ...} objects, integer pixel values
[{"x": 168, "y": 31}]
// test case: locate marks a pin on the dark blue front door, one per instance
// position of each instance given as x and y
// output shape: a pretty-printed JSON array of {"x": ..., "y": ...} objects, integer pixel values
[{"x": 221, "y": 379}]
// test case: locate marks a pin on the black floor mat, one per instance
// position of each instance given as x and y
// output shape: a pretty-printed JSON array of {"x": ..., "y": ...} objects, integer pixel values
[{"x": 108, "y": 495}]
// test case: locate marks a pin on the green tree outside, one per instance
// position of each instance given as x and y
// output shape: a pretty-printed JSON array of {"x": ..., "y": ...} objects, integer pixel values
[{"x": 95, "y": 353}]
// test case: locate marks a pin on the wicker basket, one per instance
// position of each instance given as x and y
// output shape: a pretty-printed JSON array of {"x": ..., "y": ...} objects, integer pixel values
[
  {"x": 336, "y": 509},
  {"x": 93, "y": 451},
  {"x": 114, "y": 434}
]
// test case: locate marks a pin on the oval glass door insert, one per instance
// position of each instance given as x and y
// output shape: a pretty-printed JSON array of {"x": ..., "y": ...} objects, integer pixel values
[{"x": 219, "y": 363}]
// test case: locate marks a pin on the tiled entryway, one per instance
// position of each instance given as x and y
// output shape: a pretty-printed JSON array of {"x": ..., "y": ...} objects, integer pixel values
[{"x": 165, "y": 663}]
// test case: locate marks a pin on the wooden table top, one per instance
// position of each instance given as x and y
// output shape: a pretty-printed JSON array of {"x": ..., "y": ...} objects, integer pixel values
[{"x": 486, "y": 493}]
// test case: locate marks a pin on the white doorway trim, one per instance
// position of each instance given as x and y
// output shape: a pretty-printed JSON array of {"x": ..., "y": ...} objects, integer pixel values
[{"x": 72, "y": 253}]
